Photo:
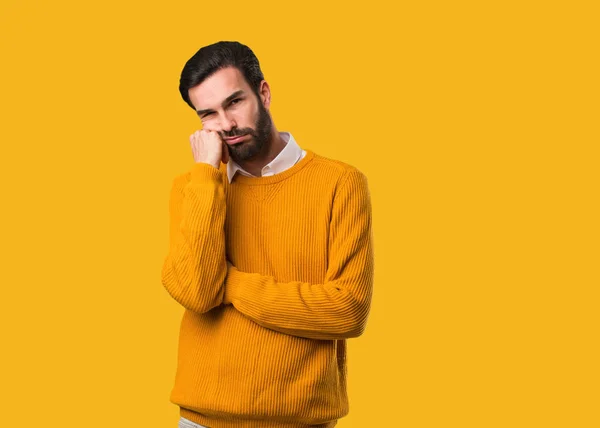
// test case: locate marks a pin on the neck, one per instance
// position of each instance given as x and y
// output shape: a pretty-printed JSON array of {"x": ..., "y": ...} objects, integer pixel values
[{"x": 255, "y": 165}]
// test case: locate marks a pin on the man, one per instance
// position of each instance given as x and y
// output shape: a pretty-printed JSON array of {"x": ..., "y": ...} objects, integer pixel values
[{"x": 270, "y": 254}]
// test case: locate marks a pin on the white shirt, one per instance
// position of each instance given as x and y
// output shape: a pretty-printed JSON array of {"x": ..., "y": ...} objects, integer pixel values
[{"x": 286, "y": 158}]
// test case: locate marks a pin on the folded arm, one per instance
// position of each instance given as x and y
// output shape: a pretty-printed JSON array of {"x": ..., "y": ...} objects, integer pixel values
[
  {"x": 195, "y": 267},
  {"x": 335, "y": 309}
]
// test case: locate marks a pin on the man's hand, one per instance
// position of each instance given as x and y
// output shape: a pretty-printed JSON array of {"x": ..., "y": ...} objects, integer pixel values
[{"x": 209, "y": 147}]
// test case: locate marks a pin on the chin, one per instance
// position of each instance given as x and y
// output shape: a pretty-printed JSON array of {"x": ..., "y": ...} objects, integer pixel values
[{"x": 246, "y": 150}]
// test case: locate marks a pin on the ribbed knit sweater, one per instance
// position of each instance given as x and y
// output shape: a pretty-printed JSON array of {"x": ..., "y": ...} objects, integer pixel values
[{"x": 274, "y": 273}]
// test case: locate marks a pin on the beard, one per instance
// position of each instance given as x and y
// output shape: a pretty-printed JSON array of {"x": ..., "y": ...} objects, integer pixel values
[{"x": 260, "y": 141}]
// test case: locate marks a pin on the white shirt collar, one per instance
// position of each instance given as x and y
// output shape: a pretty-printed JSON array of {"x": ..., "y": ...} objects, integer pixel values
[{"x": 287, "y": 157}]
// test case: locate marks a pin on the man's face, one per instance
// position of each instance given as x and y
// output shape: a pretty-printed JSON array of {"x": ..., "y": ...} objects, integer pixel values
[{"x": 226, "y": 104}]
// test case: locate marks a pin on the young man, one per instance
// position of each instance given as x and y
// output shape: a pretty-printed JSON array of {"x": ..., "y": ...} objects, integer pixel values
[{"x": 271, "y": 256}]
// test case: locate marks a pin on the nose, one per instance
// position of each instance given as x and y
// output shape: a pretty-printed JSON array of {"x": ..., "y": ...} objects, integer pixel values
[{"x": 227, "y": 123}]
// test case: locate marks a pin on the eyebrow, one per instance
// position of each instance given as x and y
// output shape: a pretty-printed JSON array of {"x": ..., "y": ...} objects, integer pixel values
[{"x": 227, "y": 100}]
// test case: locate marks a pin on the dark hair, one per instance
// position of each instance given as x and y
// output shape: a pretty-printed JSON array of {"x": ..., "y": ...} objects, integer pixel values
[{"x": 212, "y": 58}]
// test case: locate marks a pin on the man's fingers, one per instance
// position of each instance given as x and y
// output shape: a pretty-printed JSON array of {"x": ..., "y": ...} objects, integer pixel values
[{"x": 207, "y": 147}]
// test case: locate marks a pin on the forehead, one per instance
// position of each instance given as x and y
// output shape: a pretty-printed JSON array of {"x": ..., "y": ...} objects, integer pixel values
[{"x": 215, "y": 88}]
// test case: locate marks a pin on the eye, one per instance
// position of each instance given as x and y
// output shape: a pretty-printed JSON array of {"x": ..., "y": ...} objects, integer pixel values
[{"x": 237, "y": 100}]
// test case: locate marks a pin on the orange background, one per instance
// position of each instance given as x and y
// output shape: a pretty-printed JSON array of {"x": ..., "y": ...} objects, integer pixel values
[{"x": 475, "y": 122}]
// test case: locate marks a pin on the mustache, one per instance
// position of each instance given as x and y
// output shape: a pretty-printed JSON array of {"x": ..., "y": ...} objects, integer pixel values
[{"x": 238, "y": 132}]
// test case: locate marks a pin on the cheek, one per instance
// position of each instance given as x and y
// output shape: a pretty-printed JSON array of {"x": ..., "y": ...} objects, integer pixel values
[
  {"x": 207, "y": 125},
  {"x": 253, "y": 116},
  {"x": 245, "y": 118}
]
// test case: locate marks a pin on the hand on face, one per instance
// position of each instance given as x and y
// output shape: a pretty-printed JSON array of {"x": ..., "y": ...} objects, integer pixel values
[{"x": 209, "y": 147}]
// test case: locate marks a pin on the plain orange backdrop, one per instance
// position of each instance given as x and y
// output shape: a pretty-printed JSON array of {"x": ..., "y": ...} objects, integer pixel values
[{"x": 476, "y": 124}]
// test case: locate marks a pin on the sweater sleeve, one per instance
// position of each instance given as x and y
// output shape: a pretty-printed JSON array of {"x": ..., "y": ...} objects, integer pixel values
[
  {"x": 195, "y": 267},
  {"x": 336, "y": 309}
]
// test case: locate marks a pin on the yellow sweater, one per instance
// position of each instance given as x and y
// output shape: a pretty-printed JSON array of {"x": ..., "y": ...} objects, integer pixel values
[{"x": 275, "y": 273}]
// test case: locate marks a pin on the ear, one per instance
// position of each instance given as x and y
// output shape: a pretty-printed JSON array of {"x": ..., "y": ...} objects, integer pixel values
[{"x": 265, "y": 93}]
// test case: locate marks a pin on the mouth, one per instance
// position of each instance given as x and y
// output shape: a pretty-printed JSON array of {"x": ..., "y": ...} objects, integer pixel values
[{"x": 237, "y": 139}]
